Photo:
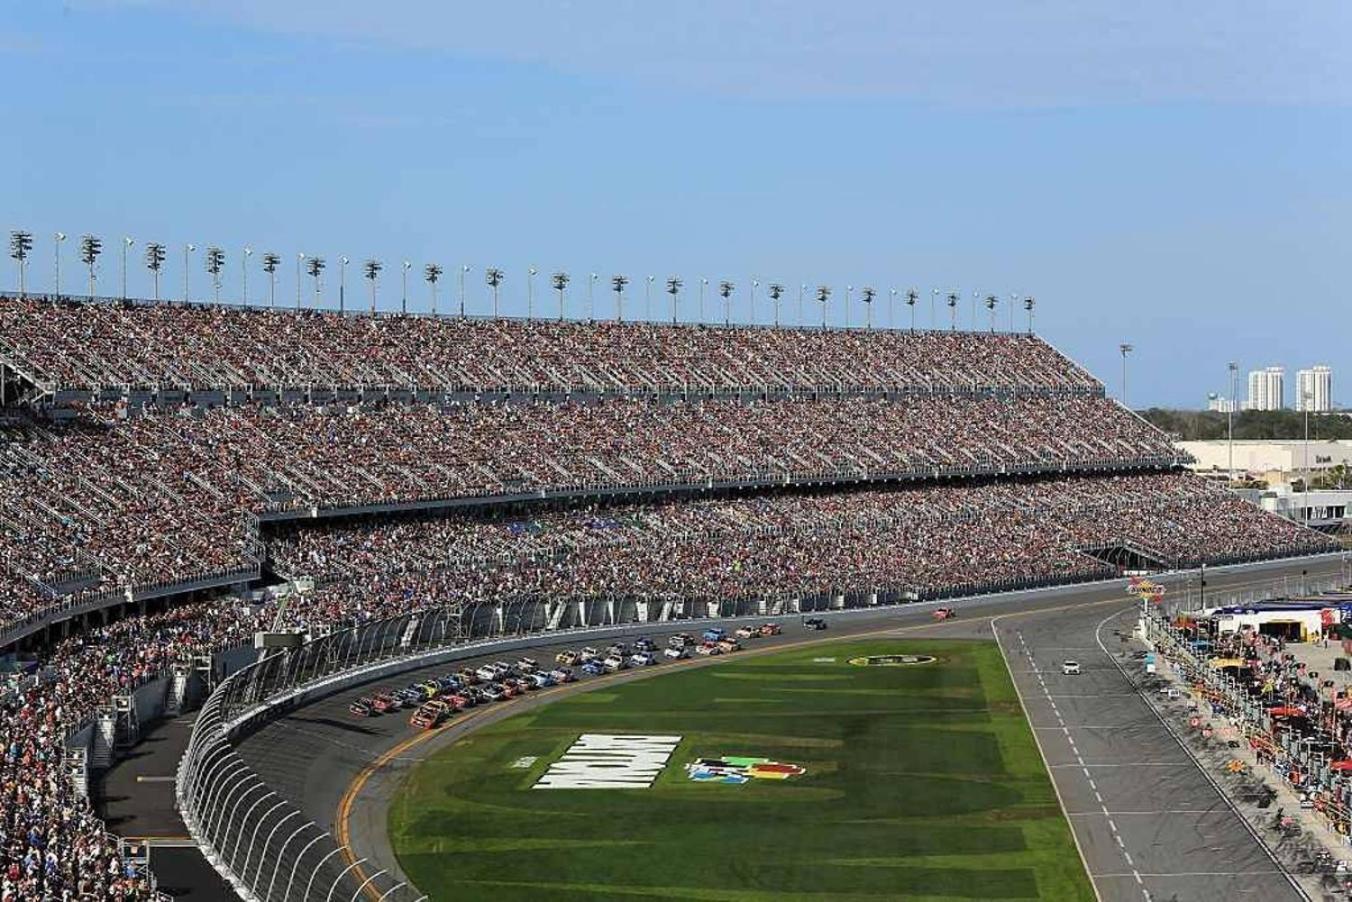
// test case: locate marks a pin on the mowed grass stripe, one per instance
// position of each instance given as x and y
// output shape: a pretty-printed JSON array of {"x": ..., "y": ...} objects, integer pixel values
[{"x": 922, "y": 782}]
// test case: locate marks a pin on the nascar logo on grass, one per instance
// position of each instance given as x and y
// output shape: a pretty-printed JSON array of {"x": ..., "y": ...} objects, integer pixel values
[
  {"x": 606, "y": 761},
  {"x": 739, "y": 769}
]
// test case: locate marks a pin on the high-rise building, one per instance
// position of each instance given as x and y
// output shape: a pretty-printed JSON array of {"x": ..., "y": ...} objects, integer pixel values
[
  {"x": 1267, "y": 389},
  {"x": 1219, "y": 404},
  {"x": 1314, "y": 389}
]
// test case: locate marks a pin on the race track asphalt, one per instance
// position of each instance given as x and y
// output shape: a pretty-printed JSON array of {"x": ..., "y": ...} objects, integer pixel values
[{"x": 1147, "y": 820}]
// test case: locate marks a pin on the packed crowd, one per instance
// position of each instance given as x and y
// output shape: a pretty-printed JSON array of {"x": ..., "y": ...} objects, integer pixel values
[
  {"x": 110, "y": 500},
  {"x": 920, "y": 540},
  {"x": 94, "y": 345}
]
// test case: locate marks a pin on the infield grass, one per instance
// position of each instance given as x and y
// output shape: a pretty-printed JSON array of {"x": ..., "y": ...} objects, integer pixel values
[{"x": 922, "y": 782}]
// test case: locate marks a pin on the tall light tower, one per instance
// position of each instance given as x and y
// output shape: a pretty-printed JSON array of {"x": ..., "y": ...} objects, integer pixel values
[
  {"x": 187, "y": 267},
  {"x": 214, "y": 260},
  {"x": 1230, "y": 418},
  {"x": 432, "y": 273},
  {"x": 315, "y": 267},
  {"x": 1028, "y": 305},
  {"x": 244, "y": 275},
  {"x": 155, "y": 255},
  {"x": 493, "y": 278},
  {"x": 911, "y": 297},
  {"x": 849, "y": 290},
  {"x": 20, "y": 246},
  {"x": 342, "y": 284},
  {"x": 776, "y": 292},
  {"x": 591, "y": 297},
  {"x": 991, "y": 301},
  {"x": 648, "y": 299},
  {"x": 754, "y": 285},
  {"x": 300, "y": 259},
  {"x": 953, "y": 311},
  {"x": 270, "y": 263},
  {"x": 892, "y": 308},
  {"x": 530, "y": 293},
  {"x": 703, "y": 284},
  {"x": 867, "y": 296},
  {"x": 934, "y": 320},
  {"x": 1125, "y": 349},
  {"x": 403, "y": 297},
  {"x": 464, "y": 270},
  {"x": 560, "y": 282},
  {"x": 673, "y": 289},
  {"x": 617, "y": 283},
  {"x": 371, "y": 269},
  {"x": 725, "y": 288},
  {"x": 60, "y": 239},
  {"x": 90, "y": 248},
  {"x": 823, "y": 295}
]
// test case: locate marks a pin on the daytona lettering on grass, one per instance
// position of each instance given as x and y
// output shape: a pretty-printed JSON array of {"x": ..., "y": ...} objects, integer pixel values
[{"x": 603, "y": 761}]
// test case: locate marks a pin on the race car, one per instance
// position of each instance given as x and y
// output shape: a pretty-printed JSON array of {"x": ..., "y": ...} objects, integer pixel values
[
  {"x": 681, "y": 640},
  {"x": 543, "y": 680},
  {"x": 728, "y": 644},
  {"x": 642, "y": 659},
  {"x": 384, "y": 703},
  {"x": 644, "y": 644},
  {"x": 493, "y": 692},
  {"x": 562, "y": 675},
  {"x": 709, "y": 648},
  {"x": 614, "y": 663},
  {"x": 814, "y": 623},
  {"x": 617, "y": 650},
  {"x": 362, "y": 707},
  {"x": 1070, "y": 668},
  {"x": 510, "y": 689},
  {"x": 487, "y": 673},
  {"x": 677, "y": 653},
  {"x": 714, "y": 633},
  {"x": 770, "y": 629},
  {"x": 429, "y": 715},
  {"x": 430, "y": 688},
  {"x": 409, "y": 697},
  {"x": 527, "y": 665},
  {"x": 594, "y": 667},
  {"x": 945, "y": 614},
  {"x": 459, "y": 701},
  {"x": 747, "y": 632},
  {"x": 568, "y": 658},
  {"x": 466, "y": 677},
  {"x": 588, "y": 654}
]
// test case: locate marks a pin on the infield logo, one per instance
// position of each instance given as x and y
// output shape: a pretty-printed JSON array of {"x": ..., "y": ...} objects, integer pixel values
[
  {"x": 892, "y": 660},
  {"x": 739, "y": 769},
  {"x": 605, "y": 761}
]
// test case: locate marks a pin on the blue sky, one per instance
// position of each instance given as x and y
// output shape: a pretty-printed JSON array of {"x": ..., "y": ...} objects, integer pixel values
[{"x": 1178, "y": 176}]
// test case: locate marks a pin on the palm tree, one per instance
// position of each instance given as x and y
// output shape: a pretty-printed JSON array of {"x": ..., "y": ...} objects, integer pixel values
[
  {"x": 823, "y": 295},
  {"x": 673, "y": 288},
  {"x": 214, "y": 260},
  {"x": 617, "y": 283},
  {"x": 725, "y": 289},
  {"x": 868, "y": 295},
  {"x": 270, "y": 263},
  {"x": 493, "y": 277},
  {"x": 155, "y": 255},
  {"x": 560, "y": 282},
  {"x": 776, "y": 292},
  {"x": 432, "y": 272},
  {"x": 371, "y": 269},
  {"x": 911, "y": 297}
]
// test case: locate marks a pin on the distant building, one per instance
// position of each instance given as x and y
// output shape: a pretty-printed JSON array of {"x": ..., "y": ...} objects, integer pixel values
[
  {"x": 1217, "y": 404},
  {"x": 1314, "y": 389},
  {"x": 1267, "y": 389}
]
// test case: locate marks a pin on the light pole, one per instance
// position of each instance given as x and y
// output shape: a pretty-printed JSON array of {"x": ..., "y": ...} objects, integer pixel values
[
  {"x": 315, "y": 266},
  {"x": 617, "y": 283},
  {"x": 463, "y": 270},
  {"x": 154, "y": 263},
  {"x": 60, "y": 237},
  {"x": 823, "y": 295},
  {"x": 703, "y": 283},
  {"x": 560, "y": 282},
  {"x": 244, "y": 275},
  {"x": 952, "y": 311},
  {"x": 991, "y": 301},
  {"x": 911, "y": 297},
  {"x": 403, "y": 292},
  {"x": 493, "y": 278},
  {"x": 975, "y": 296},
  {"x": 214, "y": 259},
  {"x": 1125, "y": 349},
  {"x": 591, "y": 300},
  {"x": 673, "y": 289},
  {"x": 776, "y": 292},
  {"x": 530, "y": 293},
  {"x": 1305, "y": 398},
  {"x": 648, "y": 299},
  {"x": 300, "y": 258},
  {"x": 187, "y": 261},
  {"x": 802, "y": 289},
  {"x": 754, "y": 285},
  {"x": 371, "y": 269},
  {"x": 20, "y": 245},
  {"x": 1230, "y": 418},
  {"x": 126, "y": 244},
  {"x": 270, "y": 263},
  {"x": 892, "y": 309},
  {"x": 90, "y": 248},
  {"x": 432, "y": 272},
  {"x": 1028, "y": 304},
  {"x": 725, "y": 289},
  {"x": 934, "y": 297},
  {"x": 849, "y": 290},
  {"x": 342, "y": 284},
  {"x": 867, "y": 296}
]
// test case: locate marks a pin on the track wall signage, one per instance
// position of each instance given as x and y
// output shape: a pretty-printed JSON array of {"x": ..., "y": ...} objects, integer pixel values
[{"x": 606, "y": 761}]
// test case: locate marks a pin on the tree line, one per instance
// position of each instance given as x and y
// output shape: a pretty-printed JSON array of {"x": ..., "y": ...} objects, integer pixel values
[{"x": 1203, "y": 425}]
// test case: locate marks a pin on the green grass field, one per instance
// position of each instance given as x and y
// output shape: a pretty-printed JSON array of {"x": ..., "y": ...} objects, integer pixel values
[{"x": 921, "y": 782}]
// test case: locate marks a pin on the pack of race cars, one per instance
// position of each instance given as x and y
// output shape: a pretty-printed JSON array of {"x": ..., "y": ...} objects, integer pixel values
[{"x": 433, "y": 701}]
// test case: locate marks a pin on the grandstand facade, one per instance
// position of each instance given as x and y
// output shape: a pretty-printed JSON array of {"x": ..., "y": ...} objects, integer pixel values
[{"x": 152, "y": 454}]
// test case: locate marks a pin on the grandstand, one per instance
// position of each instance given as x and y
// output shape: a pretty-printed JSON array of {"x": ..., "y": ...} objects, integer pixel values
[{"x": 152, "y": 455}]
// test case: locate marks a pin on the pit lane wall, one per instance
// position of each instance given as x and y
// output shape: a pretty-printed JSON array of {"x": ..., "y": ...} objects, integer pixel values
[{"x": 267, "y": 847}]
